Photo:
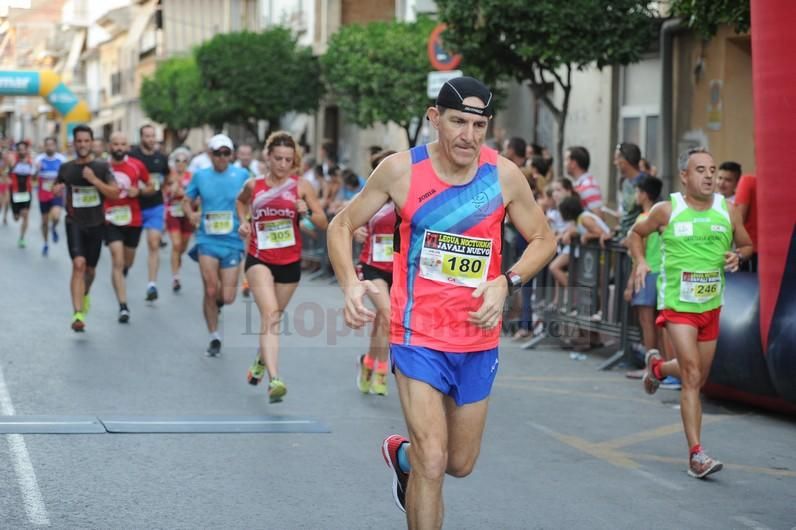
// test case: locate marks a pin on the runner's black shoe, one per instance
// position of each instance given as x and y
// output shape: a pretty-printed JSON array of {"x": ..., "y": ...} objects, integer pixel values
[{"x": 214, "y": 348}]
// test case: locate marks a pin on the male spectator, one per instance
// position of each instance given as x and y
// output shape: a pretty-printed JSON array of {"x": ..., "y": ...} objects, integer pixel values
[
  {"x": 309, "y": 174},
  {"x": 328, "y": 158},
  {"x": 626, "y": 159},
  {"x": 246, "y": 160},
  {"x": 746, "y": 203},
  {"x": 514, "y": 149},
  {"x": 98, "y": 149},
  {"x": 576, "y": 164},
  {"x": 729, "y": 175}
]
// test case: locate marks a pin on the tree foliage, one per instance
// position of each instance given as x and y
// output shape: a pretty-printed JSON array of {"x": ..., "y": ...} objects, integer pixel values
[
  {"x": 174, "y": 96},
  {"x": 705, "y": 16},
  {"x": 378, "y": 72},
  {"x": 542, "y": 41},
  {"x": 259, "y": 76}
]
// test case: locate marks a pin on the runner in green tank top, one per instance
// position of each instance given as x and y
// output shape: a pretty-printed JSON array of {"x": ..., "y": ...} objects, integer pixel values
[{"x": 697, "y": 231}]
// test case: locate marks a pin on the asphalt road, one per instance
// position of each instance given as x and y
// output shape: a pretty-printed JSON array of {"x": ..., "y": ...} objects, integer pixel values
[{"x": 566, "y": 446}]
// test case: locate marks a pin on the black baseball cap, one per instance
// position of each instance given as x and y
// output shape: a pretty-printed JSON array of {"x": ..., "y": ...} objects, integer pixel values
[{"x": 456, "y": 90}]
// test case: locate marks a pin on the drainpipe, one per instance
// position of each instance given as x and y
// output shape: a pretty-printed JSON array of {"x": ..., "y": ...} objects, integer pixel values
[{"x": 667, "y": 147}]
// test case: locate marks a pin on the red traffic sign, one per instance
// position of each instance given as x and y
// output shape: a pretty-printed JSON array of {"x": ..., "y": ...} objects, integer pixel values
[{"x": 441, "y": 59}]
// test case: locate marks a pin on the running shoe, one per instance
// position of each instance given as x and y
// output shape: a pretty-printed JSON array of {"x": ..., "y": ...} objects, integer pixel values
[
  {"x": 671, "y": 383},
  {"x": 363, "y": 375},
  {"x": 124, "y": 316},
  {"x": 378, "y": 384},
  {"x": 256, "y": 371},
  {"x": 214, "y": 348},
  {"x": 86, "y": 304},
  {"x": 78, "y": 323},
  {"x": 55, "y": 235},
  {"x": 21, "y": 243},
  {"x": 45, "y": 251},
  {"x": 151, "y": 293},
  {"x": 176, "y": 285},
  {"x": 245, "y": 291},
  {"x": 389, "y": 450},
  {"x": 651, "y": 383},
  {"x": 701, "y": 465},
  {"x": 276, "y": 390}
]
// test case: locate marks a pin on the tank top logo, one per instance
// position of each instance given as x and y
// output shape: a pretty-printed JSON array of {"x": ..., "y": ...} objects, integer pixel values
[
  {"x": 480, "y": 201},
  {"x": 683, "y": 229},
  {"x": 426, "y": 195},
  {"x": 267, "y": 211}
]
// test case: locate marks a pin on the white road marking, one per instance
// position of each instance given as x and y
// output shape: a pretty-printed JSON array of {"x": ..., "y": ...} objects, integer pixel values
[
  {"x": 206, "y": 422},
  {"x": 26, "y": 475}
]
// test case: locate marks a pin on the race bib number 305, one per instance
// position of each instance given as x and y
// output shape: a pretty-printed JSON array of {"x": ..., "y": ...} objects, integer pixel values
[
  {"x": 455, "y": 259},
  {"x": 218, "y": 223},
  {"x": 85, "y": 197},
  {"x": 275, "y": 234},
  {"x": 699, "y": 287}
]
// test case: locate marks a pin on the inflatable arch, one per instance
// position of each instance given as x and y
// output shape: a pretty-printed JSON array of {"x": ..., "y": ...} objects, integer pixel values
[
  {"x": 756, "y": 357},
  {"x": 47, "y": 84}
]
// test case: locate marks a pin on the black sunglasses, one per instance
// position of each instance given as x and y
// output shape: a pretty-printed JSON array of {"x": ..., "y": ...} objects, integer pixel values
[{"x": 222, "y": 152}]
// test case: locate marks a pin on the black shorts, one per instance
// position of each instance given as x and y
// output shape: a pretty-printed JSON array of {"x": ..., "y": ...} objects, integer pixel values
[
  {"x": 290, "y": 273},
  {"x": 370, "y": 272},
  {"x": 17, "y": 207},
  {"x": 128, "y": 235},
  {"x": 85, "y": 242}
]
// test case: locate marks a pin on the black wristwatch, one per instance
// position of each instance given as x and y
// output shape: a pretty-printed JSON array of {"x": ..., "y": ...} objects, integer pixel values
[{"x": 513, "y": 281}]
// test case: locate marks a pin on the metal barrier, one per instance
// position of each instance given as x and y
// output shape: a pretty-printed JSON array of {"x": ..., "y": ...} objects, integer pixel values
[
  {"x": 315, "y": 251},
  {"x": 591, "y": 302}
]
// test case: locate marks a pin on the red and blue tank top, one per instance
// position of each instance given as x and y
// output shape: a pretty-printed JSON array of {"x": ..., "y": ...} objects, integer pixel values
[
  {"x": 447, "y": 241},
  {"x": 275, "y": 236}
]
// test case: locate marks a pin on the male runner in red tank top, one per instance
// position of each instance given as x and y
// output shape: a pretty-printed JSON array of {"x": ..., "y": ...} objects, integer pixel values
[{"x": 448, "y": 293}]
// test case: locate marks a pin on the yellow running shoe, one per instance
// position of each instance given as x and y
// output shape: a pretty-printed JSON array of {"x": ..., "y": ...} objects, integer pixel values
[
  {"x": 256, "y": 371},
  {"x": 276, "y": 390},
  {"x": 378, "y": 384},
  {"x": 363, "y": 375}
]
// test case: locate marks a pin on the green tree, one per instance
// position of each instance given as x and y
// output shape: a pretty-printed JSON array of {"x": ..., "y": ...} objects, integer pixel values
[
  {"x": 378, "y": 72},
  {"x": 542, "y": 42},
  {"x": 259, "y": 76},
  {"x": 174, "y": 96},
  {"x": 705, "y": 16}
]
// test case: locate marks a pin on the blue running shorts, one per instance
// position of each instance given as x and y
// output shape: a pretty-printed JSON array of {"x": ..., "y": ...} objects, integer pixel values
[
  {"x": 227, "y": 257},
  {"x": 153, "y": 218},
  {"x": 466, "y": 377}
]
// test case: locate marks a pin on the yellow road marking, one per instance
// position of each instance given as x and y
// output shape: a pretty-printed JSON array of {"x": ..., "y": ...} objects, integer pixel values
[
  {"x": 740, "y": 467},
  {"x": 563, "y": 392},
  {"x": 559, "y": 379},
  {"x": 652, "y": 434}
]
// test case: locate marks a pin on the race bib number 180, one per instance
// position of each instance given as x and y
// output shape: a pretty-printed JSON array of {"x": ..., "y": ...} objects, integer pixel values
[
  {"x": 455, "y": 259},
  {"x": 699, "y": 287}
]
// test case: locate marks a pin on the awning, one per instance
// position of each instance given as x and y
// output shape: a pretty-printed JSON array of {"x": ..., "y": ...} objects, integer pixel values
[
  {"x": 74, "y": 52},
  {"x": 140, "y": 22}
]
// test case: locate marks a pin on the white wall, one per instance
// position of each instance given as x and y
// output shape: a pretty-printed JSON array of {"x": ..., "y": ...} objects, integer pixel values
[{"x": 589, "y": 120}]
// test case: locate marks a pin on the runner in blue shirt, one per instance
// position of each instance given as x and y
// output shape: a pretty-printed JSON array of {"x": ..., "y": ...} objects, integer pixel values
[{"x": 218, "y": 246}]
